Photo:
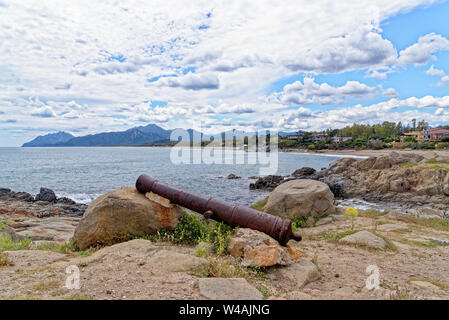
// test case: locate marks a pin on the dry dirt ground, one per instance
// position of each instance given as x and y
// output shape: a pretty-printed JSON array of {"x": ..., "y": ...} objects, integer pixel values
[{"x": 413, "y": 267}]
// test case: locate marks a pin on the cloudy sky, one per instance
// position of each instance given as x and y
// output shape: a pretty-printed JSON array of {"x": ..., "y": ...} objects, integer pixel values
[{"x": 92, "y": 66}]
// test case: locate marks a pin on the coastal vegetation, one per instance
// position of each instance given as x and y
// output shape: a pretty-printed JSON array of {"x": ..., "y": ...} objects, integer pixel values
[
  {"x": 191, "y": 230},
  {"x": 385, "y": 135}
]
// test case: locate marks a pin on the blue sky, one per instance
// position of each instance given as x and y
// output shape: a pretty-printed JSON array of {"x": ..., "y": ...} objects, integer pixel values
[{"x": 85, "y": 68}]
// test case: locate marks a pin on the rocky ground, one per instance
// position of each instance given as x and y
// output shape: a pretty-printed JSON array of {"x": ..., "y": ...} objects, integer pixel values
[{"x": 412, "y": 263}]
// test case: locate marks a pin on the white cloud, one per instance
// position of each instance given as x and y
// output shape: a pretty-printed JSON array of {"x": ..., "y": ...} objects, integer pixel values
[
  {"x": 43, "y": 112},
  {"x": 310, "y": 92},
  {"x": 191, "y": 81},
  {"x": 358, "y": 49},
  {"x": 444, "y": 78},
  {"x": 423, "y": 51}
]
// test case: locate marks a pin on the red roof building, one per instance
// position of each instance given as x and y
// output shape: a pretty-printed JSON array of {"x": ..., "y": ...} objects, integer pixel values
[{"x": 435, "y": 134}]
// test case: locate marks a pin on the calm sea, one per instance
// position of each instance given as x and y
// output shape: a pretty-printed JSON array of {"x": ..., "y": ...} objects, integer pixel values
[{"x": 85, "y": 173}]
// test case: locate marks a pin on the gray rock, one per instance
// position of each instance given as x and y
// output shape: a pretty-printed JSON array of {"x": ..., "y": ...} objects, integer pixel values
[
  {"x": 267, "y": 183},
  {"x": 389, "y": 227},
  {"x": 324, "y": 221},
  {"x": 296, "y": 275},
  {"x": 10, "y": 232},
  {"x": 233, "y": 176},
  {"x": 228, "y": 289},
  {"x": 46, "y": 194},
  {"x": 365, "y": 238},
  {"x": 303, "y": 172}
]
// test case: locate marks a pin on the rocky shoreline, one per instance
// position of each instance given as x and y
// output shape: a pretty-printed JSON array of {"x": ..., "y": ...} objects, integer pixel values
[
  {"x": 418, "y": 185},
  {"x": 44, "y": 204}
]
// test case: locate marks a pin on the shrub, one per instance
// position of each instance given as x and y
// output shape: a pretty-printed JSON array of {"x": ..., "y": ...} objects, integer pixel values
[
  {"x": 189, "y": 230},
  {"x": 192, "y": 231},
  {"x": 409, "y": 139},
  {"x": 7, "y": 244}
]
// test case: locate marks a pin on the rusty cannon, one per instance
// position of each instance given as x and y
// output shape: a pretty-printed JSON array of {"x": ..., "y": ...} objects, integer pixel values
[{"x": 231, "y": 214}]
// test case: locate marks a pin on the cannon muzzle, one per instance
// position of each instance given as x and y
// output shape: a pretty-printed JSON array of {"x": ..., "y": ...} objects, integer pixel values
[{"x": 231, "y": 214}]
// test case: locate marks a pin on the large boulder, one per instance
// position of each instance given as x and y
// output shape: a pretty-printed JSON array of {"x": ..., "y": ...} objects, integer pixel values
[
  {"x": 122, "y": 212},
  {"x": 302, "y": 197}
]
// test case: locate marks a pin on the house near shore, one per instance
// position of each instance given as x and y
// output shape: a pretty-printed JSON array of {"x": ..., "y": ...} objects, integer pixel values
[
  {"x": 426, "y": 135},
  {"x": 318, "y": 137},
  {"x": 416, "y": 134},
  {"x": 340, "y": 139},
  {"x": 434, "y": 134}
]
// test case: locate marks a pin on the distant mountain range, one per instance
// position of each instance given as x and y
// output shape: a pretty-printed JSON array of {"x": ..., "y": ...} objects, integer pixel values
[
  {"x": 49, "y": 139},
  {"x": 143, "y": 135}
]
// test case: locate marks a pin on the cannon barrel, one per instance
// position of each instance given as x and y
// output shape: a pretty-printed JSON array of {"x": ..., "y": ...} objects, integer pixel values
[{"x": 234, "y": 215}]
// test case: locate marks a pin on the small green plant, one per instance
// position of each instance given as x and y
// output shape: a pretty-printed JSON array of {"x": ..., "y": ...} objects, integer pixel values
[
  {"x": 373, "y": 213},
  {"x": 46, "y": 285},
  {"x": 334, "y": 237},
  {"x": 352, "y": 213},
  {"x": 441, "y": 285},
  {"x": 83, "y": 264},
  {"x": 434, "y": 223},
  {"x": 390, "y": 245},
  {"x": 219, "y": 237},
  {"x": 6, "y": 244},
  {"x": 190, "y": 230},
  {"x": 85, "y": 253},
  {"x": 142, "y": 263},
  {"x": 4, "y": 261},
  {"x": 201, "y": 250},
  {"x": 259, "y": 205},
  {"x": 66, "y": 247},
  {"x": 409, "y": 164},
  {"x": 299, "y": 222}
]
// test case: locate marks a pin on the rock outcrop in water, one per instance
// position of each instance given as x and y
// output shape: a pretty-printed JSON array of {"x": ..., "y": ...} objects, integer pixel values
[
  {"x": 409, "y": 180},
  {"x": 45, "y": 204}
]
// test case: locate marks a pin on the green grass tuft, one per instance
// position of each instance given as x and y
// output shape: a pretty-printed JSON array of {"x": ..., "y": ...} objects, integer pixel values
[
  {"x": 259, "y": 205},
  {"x": 6, "y": 244}
]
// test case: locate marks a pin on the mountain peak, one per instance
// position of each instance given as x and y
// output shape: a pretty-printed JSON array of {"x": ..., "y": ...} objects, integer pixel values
[{"x": 49, "y": 139}]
